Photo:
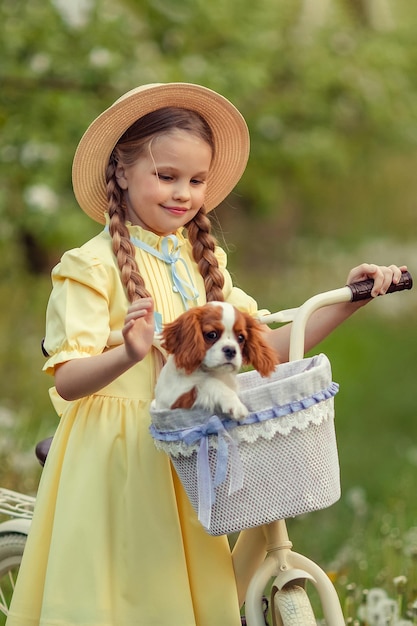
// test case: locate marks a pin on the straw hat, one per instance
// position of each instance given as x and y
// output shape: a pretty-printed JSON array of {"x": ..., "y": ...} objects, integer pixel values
[{"x": 231, "y": 140}]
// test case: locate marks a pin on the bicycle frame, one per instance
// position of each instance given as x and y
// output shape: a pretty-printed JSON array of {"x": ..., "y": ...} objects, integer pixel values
[
  {"x": 281, "y": 562},
  {"x": 19, "y": 508},
  {"x": 286, "y": 567}
]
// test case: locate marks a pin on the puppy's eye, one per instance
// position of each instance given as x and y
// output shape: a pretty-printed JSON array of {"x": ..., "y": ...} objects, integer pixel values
[
  {"x": 211, "y": 336},
  {"x": 240, "y": 338}
]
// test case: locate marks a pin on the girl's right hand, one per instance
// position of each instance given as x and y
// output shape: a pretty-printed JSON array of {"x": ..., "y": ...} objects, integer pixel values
[
  {"x": 77, "y": 378},
  {"x": 139, "y": 328}
]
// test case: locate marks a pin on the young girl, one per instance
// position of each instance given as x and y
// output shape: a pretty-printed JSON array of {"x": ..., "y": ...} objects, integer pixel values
[{"x": 114, "y": 540}]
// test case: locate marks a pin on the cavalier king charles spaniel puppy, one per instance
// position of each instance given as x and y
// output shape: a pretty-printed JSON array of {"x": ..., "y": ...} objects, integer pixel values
[{"x": 206, "y": 347}]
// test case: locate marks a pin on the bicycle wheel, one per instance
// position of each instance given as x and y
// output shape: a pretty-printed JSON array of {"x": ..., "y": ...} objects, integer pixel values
[
  {"x": 11, "y": 552},
  {"x": 292, "y": 607}
]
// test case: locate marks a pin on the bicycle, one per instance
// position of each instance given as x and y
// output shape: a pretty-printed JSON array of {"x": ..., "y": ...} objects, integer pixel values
[
  {"x": 18, "y": 508},
  {"x": 13, "y": 533},
  {"x": 290, "y": 571}
]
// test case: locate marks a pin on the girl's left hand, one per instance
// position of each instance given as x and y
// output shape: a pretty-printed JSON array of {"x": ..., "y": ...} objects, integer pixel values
[{"x": 382, "y": 276}]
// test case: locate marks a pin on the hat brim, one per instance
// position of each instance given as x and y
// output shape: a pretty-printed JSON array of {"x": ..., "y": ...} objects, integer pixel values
[{"x": 230, "y": 134}]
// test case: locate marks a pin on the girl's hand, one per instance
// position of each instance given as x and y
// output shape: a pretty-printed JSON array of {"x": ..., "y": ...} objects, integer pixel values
[
  {"x": 77, "y": 378},
  {"x": 139, "y": 327},
  {"x": 382, "y": 276}
]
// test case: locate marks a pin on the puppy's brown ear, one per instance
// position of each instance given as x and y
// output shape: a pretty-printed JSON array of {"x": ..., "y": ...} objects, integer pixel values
[
  {"x": 257, "y": 351},
  {"x": 184, "y": 339}
]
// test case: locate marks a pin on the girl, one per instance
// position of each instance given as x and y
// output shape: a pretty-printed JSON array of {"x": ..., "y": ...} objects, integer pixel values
[{"x": 114, "y": 541}]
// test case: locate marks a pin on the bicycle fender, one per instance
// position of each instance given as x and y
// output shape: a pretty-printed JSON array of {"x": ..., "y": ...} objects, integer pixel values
[
  {"x": 20, "y": 526},
  {"x": 292, "y": 575}
]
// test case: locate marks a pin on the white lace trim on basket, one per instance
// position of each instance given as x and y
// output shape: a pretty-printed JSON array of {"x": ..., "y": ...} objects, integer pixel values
[
  {"x": 188, "y": 441},
  {"x": 300, "y": 420}
]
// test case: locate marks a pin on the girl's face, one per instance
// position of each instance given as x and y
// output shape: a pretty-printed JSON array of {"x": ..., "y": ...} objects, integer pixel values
[{"x": 166, "y": 186}]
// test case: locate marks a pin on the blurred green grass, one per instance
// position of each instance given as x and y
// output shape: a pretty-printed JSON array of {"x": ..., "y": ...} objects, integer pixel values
[{"x": 373, "y": 360}]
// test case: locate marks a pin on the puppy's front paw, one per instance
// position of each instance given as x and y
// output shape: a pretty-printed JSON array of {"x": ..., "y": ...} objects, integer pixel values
[{"x": 236, "y": 409}]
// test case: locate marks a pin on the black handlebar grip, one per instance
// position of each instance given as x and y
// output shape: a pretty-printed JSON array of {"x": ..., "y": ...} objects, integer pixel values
[{"x": 362, "y": 290}]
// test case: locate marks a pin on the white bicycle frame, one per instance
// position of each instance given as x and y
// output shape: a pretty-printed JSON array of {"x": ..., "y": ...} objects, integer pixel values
[
  {"x": 281, "y": 563},
  {"x": 19, "y": 508}
]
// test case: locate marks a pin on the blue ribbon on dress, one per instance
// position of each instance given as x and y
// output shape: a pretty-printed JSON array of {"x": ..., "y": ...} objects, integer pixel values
[
  {"x": 185, "y": 288},
  {"x": 227, "y": 450}
]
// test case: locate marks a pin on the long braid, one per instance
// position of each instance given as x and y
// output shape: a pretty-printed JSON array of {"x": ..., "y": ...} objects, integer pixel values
[
  {"x": 204, "y": 244},
  {"x": 122, "y": 247}
]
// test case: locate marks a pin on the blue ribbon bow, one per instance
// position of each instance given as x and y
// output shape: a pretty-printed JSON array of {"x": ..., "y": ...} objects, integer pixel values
[
  {"x": 227, "y": 450},
  {"x": 184, "y": 287}
]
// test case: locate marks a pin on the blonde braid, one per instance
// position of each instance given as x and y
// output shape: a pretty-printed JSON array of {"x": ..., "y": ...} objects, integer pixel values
[
  {"x": 122, "y": 247},
  {"x": 204, "y": 244}
]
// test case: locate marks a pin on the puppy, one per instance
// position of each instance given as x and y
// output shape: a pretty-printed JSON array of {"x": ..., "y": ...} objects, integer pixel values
[{"x": 206, "y": 347}]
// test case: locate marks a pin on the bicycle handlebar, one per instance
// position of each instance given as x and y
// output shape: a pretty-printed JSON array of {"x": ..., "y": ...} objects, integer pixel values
[
  {"x": 362, "y": 290},
  {"x": 356, "y": 291},
  {"x": 350, "y": 293}
]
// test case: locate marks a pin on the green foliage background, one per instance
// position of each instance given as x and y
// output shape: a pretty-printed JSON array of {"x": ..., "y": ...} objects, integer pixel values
[{"x": 332, "y": 111}]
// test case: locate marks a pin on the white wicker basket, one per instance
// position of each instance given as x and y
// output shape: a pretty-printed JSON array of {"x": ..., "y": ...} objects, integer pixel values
[{"x": 281, "y": 461}]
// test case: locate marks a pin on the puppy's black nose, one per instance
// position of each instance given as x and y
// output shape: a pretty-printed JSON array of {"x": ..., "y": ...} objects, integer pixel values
[{"x": 229, "y": 352}]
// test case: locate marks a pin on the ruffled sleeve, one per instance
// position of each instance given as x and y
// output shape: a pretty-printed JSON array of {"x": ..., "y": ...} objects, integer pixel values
[
  {"x": 78, "y": 316},
  {"x": 235, "y": 295}
]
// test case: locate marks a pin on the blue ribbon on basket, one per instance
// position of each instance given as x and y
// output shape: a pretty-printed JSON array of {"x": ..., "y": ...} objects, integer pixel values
[{"x": 226, "y": 449}]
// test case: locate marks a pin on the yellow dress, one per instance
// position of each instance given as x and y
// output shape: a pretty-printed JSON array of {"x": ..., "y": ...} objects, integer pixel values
[{"x": 114, "y": 541}]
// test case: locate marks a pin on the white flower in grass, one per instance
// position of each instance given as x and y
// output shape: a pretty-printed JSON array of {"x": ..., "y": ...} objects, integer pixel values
[
  {"x": 400, "y": 583},
  {"x": 373, "y": 599},
  {"x": 356, "y": 498},
  {"x": 380, "y": 610},
  {"x": 410, "y": 542}
]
